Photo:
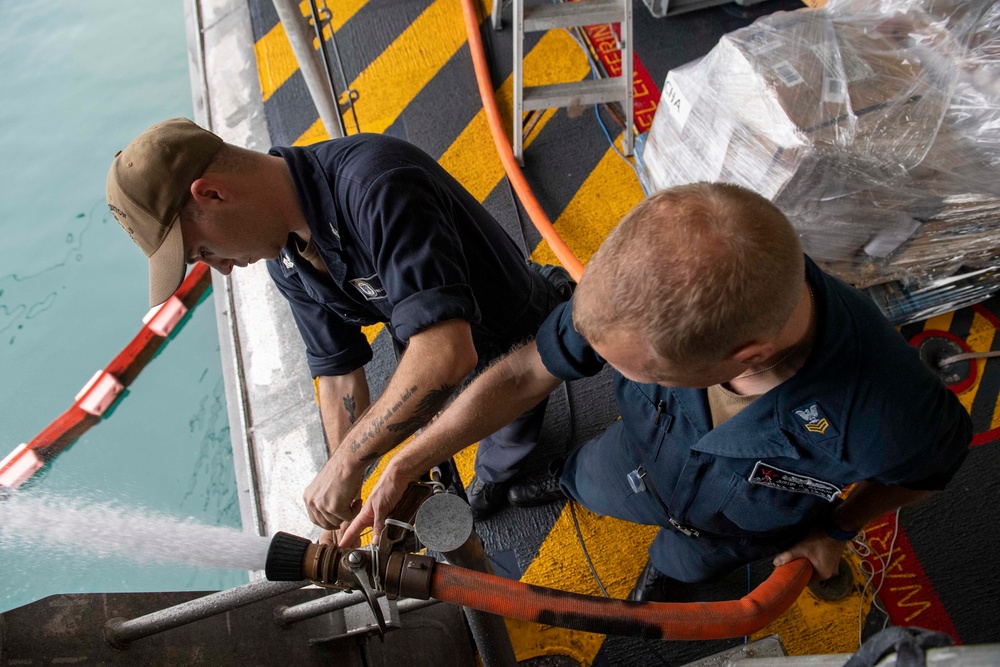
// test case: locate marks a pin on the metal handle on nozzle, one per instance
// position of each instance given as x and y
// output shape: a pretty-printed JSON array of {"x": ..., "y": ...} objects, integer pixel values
[{"x": 401, "y": 574}]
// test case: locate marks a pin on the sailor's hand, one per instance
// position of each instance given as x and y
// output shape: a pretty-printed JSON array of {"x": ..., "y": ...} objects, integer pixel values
[
  {"x": 331, "y": 538},
  {"x": 821, "y": 550},
  {"x": 333, "y": 497},
  {"x": 383, "y": 499}
]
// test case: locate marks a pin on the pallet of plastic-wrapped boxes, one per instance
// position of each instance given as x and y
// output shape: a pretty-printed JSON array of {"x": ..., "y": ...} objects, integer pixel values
[{"x": 875, "y": 126}]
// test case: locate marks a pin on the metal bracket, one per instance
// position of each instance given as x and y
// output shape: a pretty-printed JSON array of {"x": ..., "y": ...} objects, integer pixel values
[
  {"x": 690, "y": 532},
  {"x": 356, "y": 562}
]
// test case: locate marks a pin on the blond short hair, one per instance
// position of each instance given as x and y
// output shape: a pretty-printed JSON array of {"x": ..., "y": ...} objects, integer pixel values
[{"x": 702, "y": 268}]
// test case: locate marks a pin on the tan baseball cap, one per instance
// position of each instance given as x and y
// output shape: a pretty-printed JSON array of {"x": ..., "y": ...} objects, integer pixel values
[{"x": 148, "y": 184}]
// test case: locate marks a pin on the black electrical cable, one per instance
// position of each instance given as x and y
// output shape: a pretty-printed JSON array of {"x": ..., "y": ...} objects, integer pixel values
[
  {"x": 520, "y": 220},
  {"x": 579, "y": 533}
]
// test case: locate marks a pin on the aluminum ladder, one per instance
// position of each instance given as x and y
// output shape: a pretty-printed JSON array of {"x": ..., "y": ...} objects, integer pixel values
[{"x": 537, "y": 18}]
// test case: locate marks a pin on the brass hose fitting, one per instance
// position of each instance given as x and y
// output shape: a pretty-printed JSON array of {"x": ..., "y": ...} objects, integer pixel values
[{"x": 399, "y": 573}]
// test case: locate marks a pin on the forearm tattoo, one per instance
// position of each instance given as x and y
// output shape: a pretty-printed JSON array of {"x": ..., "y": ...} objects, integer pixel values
[
  {"x": 350, "y": 406},
  {"x": 426, "y": 409},
  {"x": 375, "y": 427},
  {"x": 423, "y": 413}
]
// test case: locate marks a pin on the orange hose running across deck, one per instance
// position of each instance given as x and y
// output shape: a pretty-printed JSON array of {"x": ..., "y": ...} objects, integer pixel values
[
  {"x": 513, "y": 599},
  {"x": 510, "y": 166},
  {"x": 651, "y": 620}
]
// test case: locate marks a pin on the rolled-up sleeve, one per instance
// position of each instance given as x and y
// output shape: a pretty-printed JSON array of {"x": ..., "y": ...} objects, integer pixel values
[
  {"x": 332, "y": 347},
  {"x": 417, "y": 251},
  {"x": 565, "y": 353}
]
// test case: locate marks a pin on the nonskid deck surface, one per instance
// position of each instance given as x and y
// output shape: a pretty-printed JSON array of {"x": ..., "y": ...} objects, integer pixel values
[{"x": 409, "y": 62}]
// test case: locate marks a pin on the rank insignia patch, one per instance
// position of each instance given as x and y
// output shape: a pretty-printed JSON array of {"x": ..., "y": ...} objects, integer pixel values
[
  {"x": 767, "y": 475},
  {"x": 370, "y": 287},
  {"x": 815, "y": 422}
]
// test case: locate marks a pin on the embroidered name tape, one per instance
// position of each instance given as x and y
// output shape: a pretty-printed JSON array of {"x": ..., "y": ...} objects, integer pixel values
[{"x": 786, "y": 480}]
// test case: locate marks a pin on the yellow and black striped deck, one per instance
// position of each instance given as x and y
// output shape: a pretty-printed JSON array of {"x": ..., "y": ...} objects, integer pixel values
[{"x": 409, "y": 63}]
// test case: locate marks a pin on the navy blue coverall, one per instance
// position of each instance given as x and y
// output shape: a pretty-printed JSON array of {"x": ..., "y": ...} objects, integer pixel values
[
  {"x": 405, "y": 244},
  {"x": 863, "y": 407}
]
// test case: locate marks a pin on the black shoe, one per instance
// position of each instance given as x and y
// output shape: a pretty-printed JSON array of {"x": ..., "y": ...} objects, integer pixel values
[
  {"x": 559, "y": 278},
  {"x": 485, "y": 498},
  {"x": 652, "y": 586},
  {"x": 538, "y": 490}
]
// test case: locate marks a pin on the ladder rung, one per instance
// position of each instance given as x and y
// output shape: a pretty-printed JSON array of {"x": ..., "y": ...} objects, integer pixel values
[
  {"x": 572, "y": 14},
  {"x": 577, "y": 93}
]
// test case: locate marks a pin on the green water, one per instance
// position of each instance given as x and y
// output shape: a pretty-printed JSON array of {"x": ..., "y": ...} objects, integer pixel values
[{"x": 81, "y": 79}]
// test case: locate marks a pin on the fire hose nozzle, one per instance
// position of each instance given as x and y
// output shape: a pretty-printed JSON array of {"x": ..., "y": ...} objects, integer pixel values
[
  {"x": 389, "y": 567},
  {"x": 398, "y": 573},
  {"x": 285, "y": 557},
  {"x": 293, "y": 558}
]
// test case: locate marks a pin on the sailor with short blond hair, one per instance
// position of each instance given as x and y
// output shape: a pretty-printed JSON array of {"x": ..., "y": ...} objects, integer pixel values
[{"x": 754, "y": 389}]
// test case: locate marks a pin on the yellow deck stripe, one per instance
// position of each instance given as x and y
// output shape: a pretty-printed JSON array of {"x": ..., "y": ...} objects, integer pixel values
[
  {"x": 387, "y": 85},
  {"x": 813, "y": 626},
  {"x": 342, "y": 10},
  {"x": 980, "y": 339},
  {"x": 316, "y": 133},
  {"x": 939, "y": 323},
  {"x": 472, "y": 158},
  {"x": 610, "y": 191},
  {"x": 561, "y": 564},
  {"x": 393, "y": 79},
  {"x": 275, "y": 60}
]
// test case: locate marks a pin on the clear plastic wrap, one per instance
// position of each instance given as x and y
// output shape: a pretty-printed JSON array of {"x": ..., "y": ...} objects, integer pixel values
[{"x": 874, "y": 125}]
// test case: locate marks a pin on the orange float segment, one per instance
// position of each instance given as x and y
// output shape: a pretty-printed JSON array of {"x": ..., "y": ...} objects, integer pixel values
[
  {"x": 107, "y": 385},
  {"x": 18, "y": 467}
]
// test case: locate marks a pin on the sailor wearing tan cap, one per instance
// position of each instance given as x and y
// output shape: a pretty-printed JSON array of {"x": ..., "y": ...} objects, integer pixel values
[{"x": 355, "y": 231}]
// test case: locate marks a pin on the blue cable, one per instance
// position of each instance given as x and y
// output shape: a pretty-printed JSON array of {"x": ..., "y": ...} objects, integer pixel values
[
  {"x": 600, "y": 121},
  {"x": 607, "y": 135}
]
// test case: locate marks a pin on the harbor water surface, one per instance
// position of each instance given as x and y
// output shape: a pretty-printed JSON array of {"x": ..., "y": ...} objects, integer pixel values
[{"x": 81, "y": 79}]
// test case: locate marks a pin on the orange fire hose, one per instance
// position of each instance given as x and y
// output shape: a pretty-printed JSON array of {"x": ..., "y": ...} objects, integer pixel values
[
  {"x": 684, "y": 621},
  {"x": 513, "y": 599},
  {"x": 510, "y": 166}
]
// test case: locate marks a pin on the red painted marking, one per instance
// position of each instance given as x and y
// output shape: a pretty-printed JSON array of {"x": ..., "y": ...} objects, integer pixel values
[
  {"x": 985, "y": 437},
  {"x": 645, "y": 92},
  {"x": 906, "y": 591}
]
